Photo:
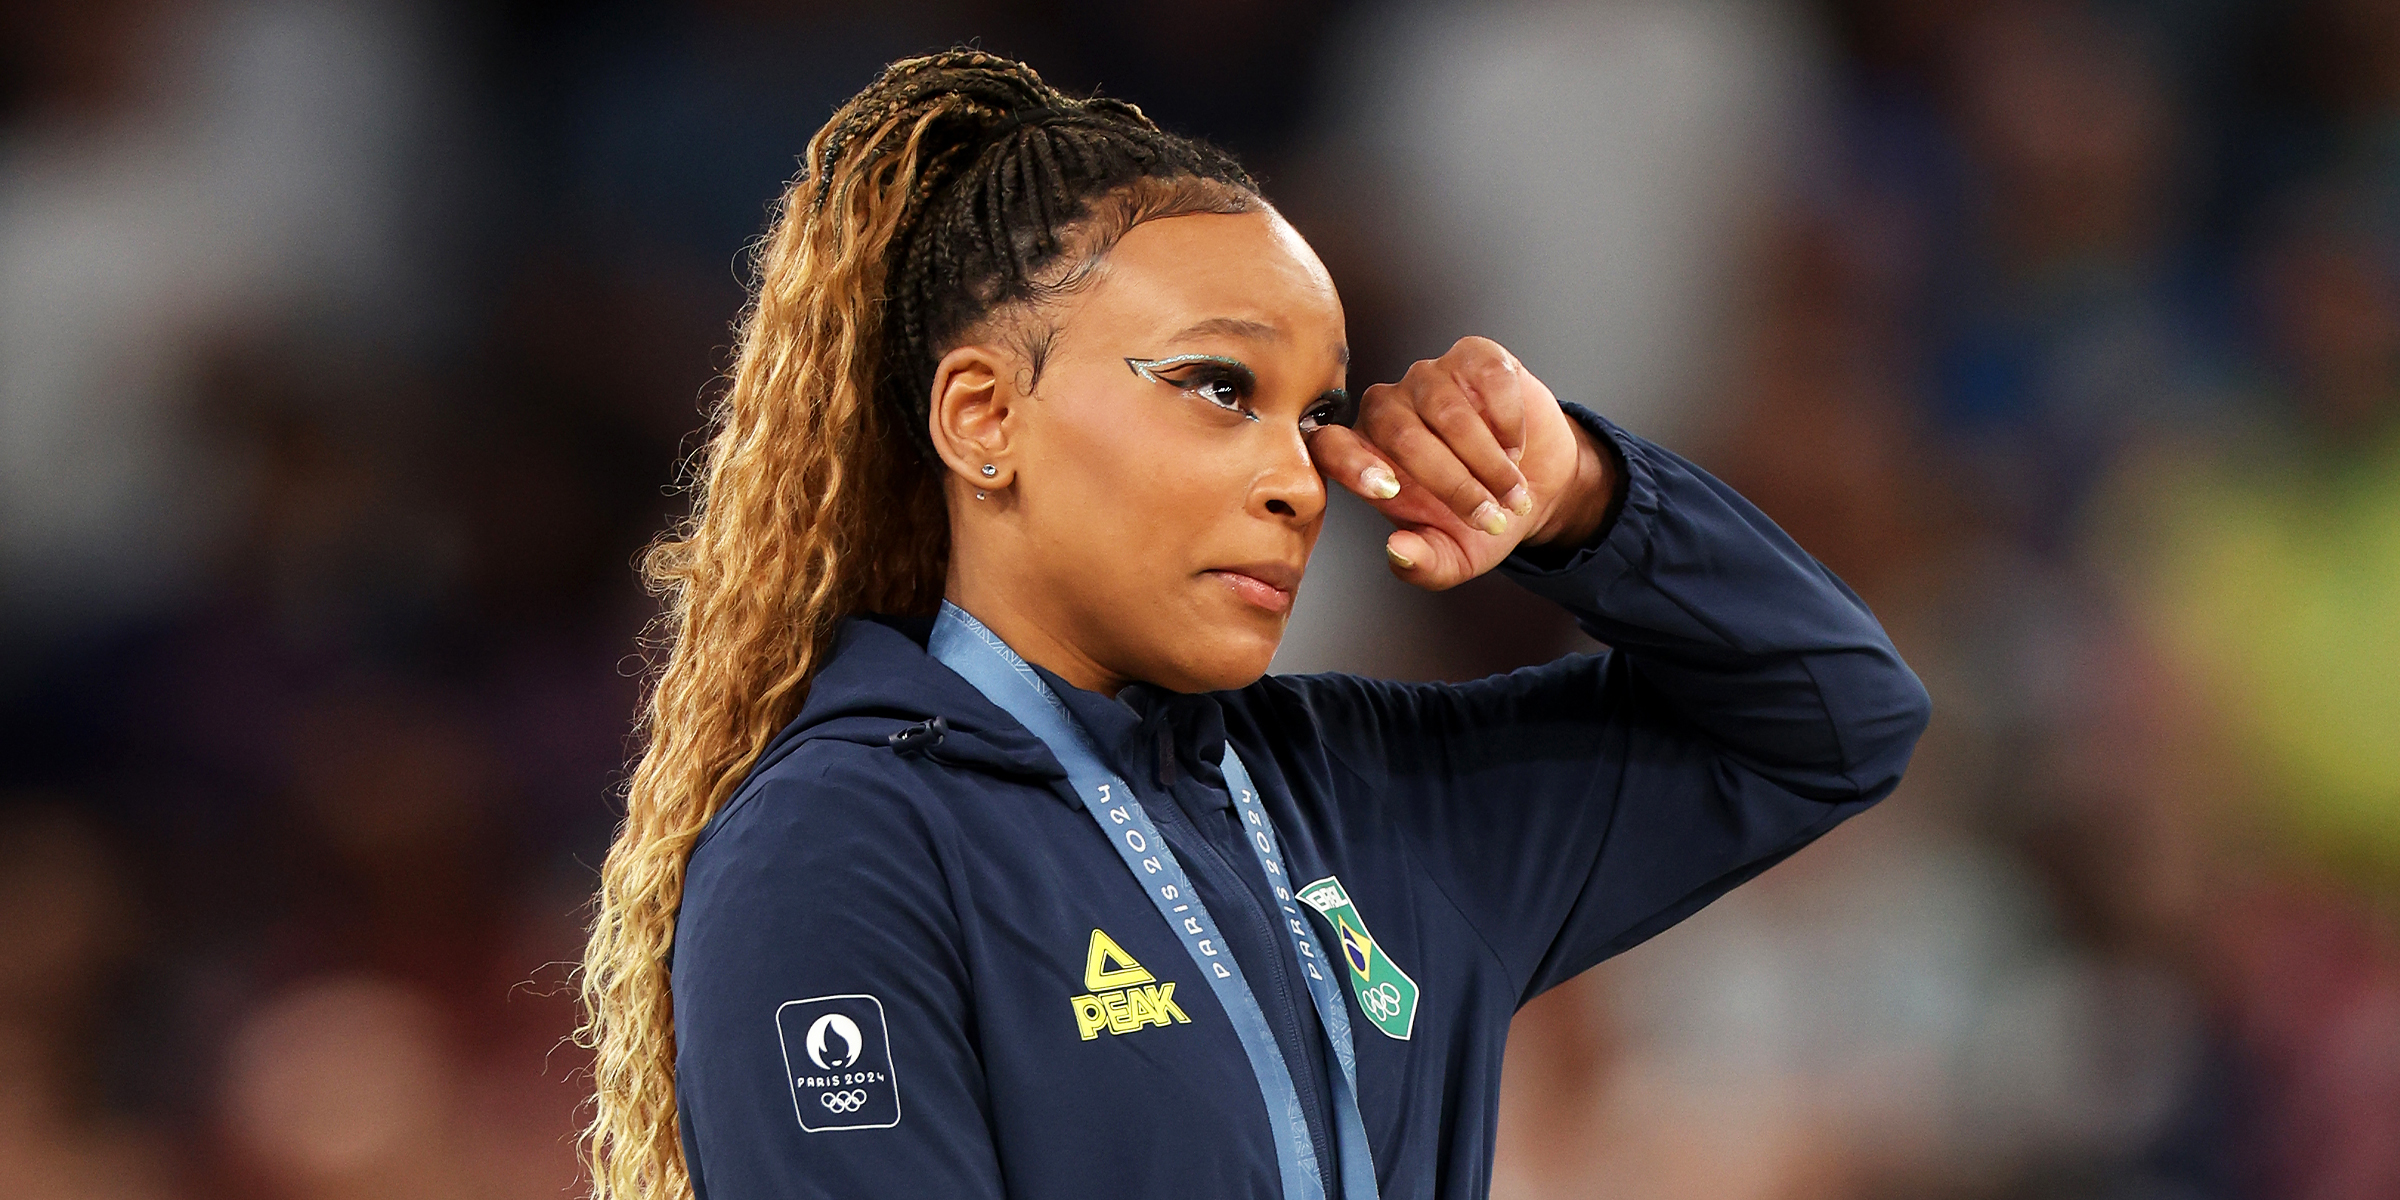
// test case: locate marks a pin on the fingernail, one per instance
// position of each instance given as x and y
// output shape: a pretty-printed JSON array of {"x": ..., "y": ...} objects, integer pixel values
[
  {"x": 1490, "y": 519},
  {"x": 1406, "y": 563},
  {"x": 1379, "y": 482},
  {"x": 1516, "y": 453},
  {"x": 1519, "y": 500}
]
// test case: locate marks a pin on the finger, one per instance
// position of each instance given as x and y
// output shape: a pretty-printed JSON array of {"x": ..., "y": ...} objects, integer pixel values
[
  {"x": 1423, "y": 557},
  {"x": 1496, "y": 379},
  {"x": 1425, "y": 459},
  {"x": 1344, "y": 457},
  {"x": 1453, "y": 414}
]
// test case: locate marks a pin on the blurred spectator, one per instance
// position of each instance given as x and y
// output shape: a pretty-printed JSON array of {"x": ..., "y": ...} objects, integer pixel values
[
  {"x": 68, "y": 923},
  {"x": 1571, "y": 180},
  {"x": 351, "y": 1087},
  {"x": 2064, "y": 331},
  {"x": 343, "y": 1088},
  {"x": 172, "y": 175},
  {"x": 1822, "y": 434},
  {"x": 2270, "y": 563},
  {"x": 1893, "y": 1018}
]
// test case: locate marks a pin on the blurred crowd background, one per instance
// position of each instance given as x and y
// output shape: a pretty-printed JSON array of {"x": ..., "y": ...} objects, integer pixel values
[{"x": 349, "y": 351}]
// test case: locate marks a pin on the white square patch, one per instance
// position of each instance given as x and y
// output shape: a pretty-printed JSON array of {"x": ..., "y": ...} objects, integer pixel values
[{"x": 837, "y": 1055}]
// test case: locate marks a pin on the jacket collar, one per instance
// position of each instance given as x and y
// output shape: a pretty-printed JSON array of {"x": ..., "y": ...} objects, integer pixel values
[
  {"x": 878, "y": 680},
  {"x": 1147, "y": 732}
]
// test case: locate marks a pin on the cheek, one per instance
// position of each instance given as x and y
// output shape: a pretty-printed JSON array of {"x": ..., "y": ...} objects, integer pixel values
[{"x": 1142, "y": 492}]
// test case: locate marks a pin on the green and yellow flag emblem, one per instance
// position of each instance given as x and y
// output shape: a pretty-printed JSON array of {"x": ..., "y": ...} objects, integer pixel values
[{"x": 1385, "y": 992}]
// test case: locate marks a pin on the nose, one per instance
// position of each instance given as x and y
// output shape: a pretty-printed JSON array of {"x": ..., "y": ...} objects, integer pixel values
[{"x": 1288, "y": 487}]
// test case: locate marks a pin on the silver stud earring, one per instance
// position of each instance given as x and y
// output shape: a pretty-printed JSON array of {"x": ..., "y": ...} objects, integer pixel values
[
  {"x": 989, "y": 470},
  {"x": 979, "y": 495}
]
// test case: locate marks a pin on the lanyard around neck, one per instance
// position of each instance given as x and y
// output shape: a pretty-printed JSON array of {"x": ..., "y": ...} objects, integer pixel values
[{"x": 966, "y": 646}]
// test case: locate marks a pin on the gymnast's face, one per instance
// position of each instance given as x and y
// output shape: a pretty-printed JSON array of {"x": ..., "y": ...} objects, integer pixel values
[{"x": 1153, "y": 503}]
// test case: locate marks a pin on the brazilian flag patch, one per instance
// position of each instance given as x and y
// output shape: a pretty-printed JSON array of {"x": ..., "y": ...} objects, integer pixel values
[{"x": 1385, "y": 992}]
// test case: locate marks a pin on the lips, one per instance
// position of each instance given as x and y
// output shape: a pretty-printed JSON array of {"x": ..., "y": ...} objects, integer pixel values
[{"x": 1269, "y": 585}]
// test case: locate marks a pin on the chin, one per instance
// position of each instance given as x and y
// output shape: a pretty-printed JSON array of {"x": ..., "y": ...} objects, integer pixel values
[{"x": 1227, "y": 658}]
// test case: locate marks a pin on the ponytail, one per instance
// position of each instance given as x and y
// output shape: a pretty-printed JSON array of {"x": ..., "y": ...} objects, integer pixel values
[{"x": 955, "y": 184}]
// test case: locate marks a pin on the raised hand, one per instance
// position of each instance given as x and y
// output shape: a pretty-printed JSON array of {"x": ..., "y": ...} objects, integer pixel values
[{"x": 1469, "y": 456}]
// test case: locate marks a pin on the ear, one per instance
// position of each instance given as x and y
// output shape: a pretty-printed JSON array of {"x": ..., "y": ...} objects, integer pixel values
[{"x": 969, "y": 416}]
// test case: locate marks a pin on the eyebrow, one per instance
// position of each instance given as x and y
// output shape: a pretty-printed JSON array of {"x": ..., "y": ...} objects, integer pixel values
[{"x": 1242, "y": 327}]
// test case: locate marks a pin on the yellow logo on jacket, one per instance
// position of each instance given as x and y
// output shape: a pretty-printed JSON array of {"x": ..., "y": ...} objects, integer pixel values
[{"x": 1120, "y": 995}]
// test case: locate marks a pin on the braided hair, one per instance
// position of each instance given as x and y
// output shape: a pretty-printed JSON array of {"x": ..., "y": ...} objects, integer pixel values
[
  {"x": 1011, "y": 172},
  {"x": 955, "y": 197}
]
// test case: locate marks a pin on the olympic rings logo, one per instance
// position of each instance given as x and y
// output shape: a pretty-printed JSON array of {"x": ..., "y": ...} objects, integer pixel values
[
  {"x": 843, "y": 1102},
  {"x": 1382, "y": 1001}
]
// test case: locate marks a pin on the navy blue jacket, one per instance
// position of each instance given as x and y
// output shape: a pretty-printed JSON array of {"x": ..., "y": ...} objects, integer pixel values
[{"x": 885, "y": 964}]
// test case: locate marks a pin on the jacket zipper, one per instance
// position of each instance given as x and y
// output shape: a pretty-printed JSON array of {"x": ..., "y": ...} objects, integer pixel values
[{"x": 1302, "y": 1080}]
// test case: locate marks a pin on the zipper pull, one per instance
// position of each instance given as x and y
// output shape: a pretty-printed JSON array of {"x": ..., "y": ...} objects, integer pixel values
[{"x": 919, "y": 738}]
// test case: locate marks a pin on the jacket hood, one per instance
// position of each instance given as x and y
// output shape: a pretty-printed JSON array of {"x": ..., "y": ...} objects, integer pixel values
[{"x": 879, "y": 687}]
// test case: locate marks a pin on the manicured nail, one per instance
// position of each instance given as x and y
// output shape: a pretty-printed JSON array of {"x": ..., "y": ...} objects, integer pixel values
[
  {"x": 1519, "y": 500},
  {"x": 1379, "y": 482},
  {"x": 1406, "y": 563},
  {"x": 1490, "y": 519},
  {"x": 1516, "y": 453}
]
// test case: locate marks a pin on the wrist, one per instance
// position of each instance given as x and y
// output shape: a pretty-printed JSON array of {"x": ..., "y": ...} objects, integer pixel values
[{"x": 1590, "y": 498}]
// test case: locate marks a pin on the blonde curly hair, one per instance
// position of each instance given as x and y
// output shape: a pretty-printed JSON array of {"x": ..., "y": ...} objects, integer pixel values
[{"x": 955, "y": 186}]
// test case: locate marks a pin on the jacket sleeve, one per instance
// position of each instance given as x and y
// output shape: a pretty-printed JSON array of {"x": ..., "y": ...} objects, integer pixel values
[
  {"x": 1748, "y": 703},
  {"x": 814, "y": 912}
]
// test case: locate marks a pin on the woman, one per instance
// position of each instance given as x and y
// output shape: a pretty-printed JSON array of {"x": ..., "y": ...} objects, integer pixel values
[{"x": 972, "y": 855}]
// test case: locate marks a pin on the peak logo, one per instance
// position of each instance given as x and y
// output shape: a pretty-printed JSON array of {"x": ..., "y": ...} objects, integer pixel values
[{"x": 1120, "y": 994}]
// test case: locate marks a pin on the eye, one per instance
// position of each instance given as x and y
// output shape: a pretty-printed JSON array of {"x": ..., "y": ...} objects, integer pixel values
[
  {"x": 1223, "y": 382},
  {"x": 1336, "y": 407},
  {"x": 1217, "y": 386}
]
